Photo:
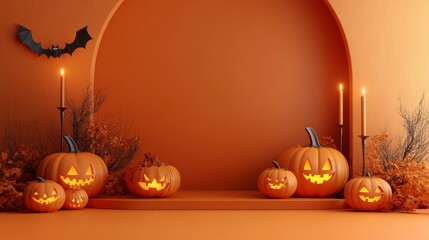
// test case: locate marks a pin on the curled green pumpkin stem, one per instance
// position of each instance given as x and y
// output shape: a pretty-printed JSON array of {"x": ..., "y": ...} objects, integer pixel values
[
  {"x": 314, "y": 141},
  {"x": 72, "y": 144},
  {"x": 276, "y": 164}
]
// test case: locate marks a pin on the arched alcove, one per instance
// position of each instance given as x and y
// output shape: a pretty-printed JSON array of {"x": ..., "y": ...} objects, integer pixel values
[{"x": 220, "y": 88}]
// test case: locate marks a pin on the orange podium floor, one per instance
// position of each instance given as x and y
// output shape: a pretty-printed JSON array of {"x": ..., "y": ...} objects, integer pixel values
[
  {"x": 215, "y": 215},
  {"x": 109, "y": 224}
]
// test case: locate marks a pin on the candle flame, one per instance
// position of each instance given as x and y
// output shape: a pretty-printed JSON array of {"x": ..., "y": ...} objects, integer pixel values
[
  {"x": 62, "y": 72},
  {"x": 341, "y": 87},
  {"x": 363, "y": 91}
]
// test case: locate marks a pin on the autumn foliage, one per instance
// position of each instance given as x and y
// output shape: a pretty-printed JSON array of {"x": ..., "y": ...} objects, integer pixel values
[
  {"x": 20, "y": 157},
  {"x": 409, "y": 179}
]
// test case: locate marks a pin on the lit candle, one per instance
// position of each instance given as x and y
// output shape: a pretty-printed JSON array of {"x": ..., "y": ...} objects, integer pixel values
[
  {"x": 62, "y": 88},
  {"x": 341, "y": 105},
  {"x": 363, "y": 112}
]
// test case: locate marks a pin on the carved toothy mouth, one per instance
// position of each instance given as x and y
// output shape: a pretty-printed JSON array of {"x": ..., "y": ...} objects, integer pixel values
[
  {"x": 317, "y": 178},
  {"x": 45, "y": 200},
  {"x": 153, "y": 184},
  {"x": 77, "y": 182},
  {"x": 370, "y": 200},
  {"x": 276, "y": 186}
]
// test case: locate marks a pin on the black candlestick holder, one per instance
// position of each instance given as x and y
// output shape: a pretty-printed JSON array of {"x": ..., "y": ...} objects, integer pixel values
[
  {"x": 363, "y": 137},
  {"x": 62, "y": 110},
  {"x": 341, "y": 126}
]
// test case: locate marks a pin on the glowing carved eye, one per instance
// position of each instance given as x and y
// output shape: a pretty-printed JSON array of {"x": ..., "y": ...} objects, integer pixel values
[
  {"x": 307, "y": 165},
  {"x": 378, "y": 190},
  {"x": 283, "y": 179},
  {"x": 162, "y": 179},
  {"x": 327, "y": 166},
  {"x": 269, "y": 179},
  {"x": 36, "y": 193},
  {"x": 53, "y": 193},
  {"x": 89, "y": 172},
  {"x": 146, "y": 178},
  {"x": 72, "y": 171},
  {"x": 364, "y": 190}
]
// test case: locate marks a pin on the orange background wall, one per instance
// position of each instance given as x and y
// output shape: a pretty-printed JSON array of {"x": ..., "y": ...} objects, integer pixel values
[
  {"x": 389, "y": 52},
  {"x": 387, "y": 42},
  {"x": 29, "y": 90},
  {"x": 220, "y": 88}
]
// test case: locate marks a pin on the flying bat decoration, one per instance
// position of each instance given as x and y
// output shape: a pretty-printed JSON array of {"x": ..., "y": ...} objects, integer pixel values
[{"x": 82, "y": 37}]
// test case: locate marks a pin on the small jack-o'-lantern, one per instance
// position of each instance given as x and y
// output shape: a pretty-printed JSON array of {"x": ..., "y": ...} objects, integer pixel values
[
  {"x": 75, "y": 169},
  {"x": 76, "y": 198},
  {"x": 320, "y": 171},
  {"x": 153, "y": 178},
  {"x": 277, "y": 182},
  {"x": 43, "y": 196},
  {"x": 367, "y": 193}
]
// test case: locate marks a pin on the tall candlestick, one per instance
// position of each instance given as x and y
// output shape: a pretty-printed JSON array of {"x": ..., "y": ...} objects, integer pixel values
[
  {"x": 341, "y": 105},
  {"x": 363, "y": 112},
  {"x": 62, "y": 88}
]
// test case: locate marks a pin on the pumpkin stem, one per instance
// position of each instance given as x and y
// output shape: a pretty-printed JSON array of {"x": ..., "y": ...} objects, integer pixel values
[
  {"x": 40, "y": 179},
  {"x": 367, "y": 174},
  {"x": 72, "y": 144},
  {"x": 314, "y": 141},
  {"x": 276, "y": 164}
]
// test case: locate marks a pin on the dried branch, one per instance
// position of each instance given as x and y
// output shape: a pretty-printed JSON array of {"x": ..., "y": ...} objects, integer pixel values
[
  {"x": 114, "y": 145},
  {"x": 80, "y": 116},
  {"x": 416, "y": 143},
  {"x": 404, "y": 165}
]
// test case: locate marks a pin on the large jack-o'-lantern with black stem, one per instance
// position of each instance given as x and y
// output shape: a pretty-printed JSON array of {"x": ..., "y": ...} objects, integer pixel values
[
  {"x": 153, "y": 178},
  {"x": 320, "y": 171},
  {"x": 75, "y": 169}
]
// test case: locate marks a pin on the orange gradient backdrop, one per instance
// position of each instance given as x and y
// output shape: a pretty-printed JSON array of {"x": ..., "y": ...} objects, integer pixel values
[
  {"x": 389, "y": 52},
  {"x": 239, "y": 78},
  {"x": 29, "y": 90},
  {"x": 219, "y": 88}
]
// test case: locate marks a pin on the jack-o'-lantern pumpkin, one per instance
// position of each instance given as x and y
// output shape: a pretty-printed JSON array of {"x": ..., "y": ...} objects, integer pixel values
[
  {"x": 153, "y": 178},
  {"x": 277, "y": 182},
  {"x": 367, "y": 193},
  {"x": 76, "y": 198},
  {"x": 320, "y": 171},
  {"x": 75, "y": 169},
  {"x": 43, "y": 196}
]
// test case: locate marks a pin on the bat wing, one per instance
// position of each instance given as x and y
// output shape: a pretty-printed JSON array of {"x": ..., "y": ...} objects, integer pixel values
[
  {"x": 82, "y": 37},
  {"x": 26, "y": 38}
]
